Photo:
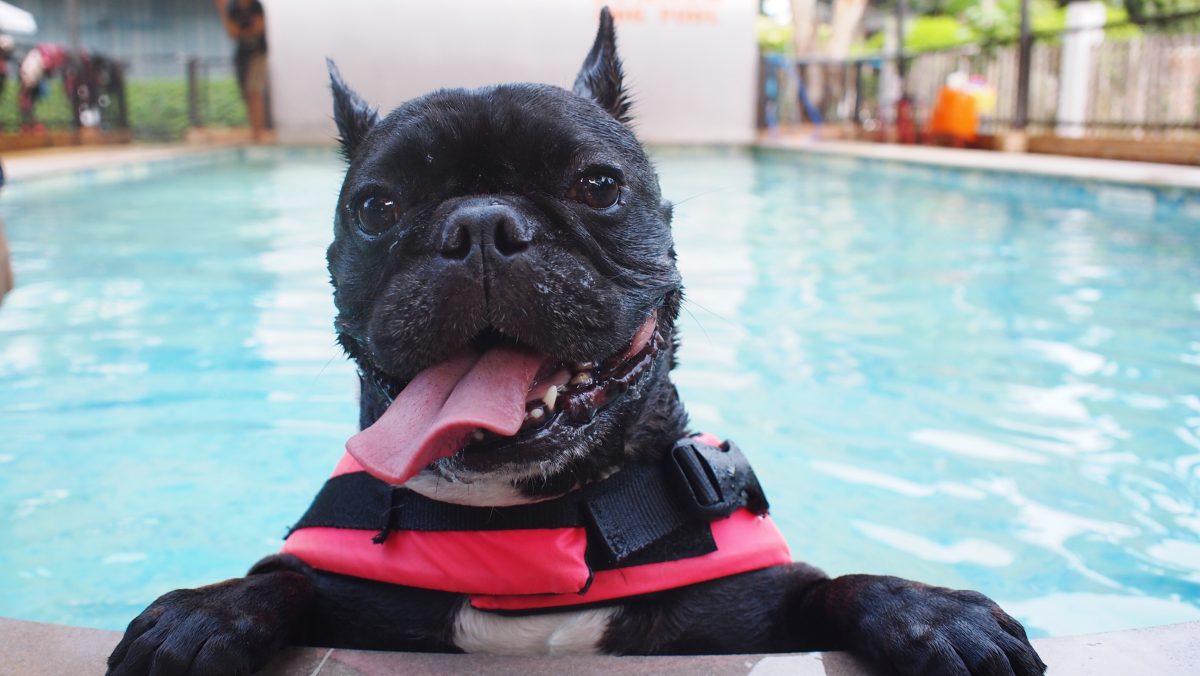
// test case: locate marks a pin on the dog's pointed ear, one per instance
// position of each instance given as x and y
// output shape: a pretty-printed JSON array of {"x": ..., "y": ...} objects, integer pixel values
[
  {"x": 353, "y": 115},
  {"x": 600, "y": 79}
]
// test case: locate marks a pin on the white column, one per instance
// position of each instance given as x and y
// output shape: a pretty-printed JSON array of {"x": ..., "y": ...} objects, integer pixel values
[{"x": 1084, "y": 32}]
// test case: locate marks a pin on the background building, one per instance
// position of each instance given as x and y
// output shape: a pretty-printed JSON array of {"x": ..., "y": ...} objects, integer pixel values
[{"x": 152, "y": 36}]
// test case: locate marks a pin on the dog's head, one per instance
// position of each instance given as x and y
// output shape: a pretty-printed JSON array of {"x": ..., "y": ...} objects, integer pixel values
[{"x": 505, "y": 280}]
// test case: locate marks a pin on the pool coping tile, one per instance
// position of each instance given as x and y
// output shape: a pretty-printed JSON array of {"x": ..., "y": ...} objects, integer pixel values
[
  {"x": 56, "y": 163},
  {"x": 37, "y": 649},
  {"x": 23, "y": 167},
  {"x": 1147, "y": 174}
]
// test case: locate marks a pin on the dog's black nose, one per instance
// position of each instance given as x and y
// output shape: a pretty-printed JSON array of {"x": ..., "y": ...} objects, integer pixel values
[{"x": 493, "y": 228}]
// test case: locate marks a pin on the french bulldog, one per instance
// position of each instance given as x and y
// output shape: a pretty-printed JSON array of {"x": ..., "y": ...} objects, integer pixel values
[{"x": 506, "y": 283}]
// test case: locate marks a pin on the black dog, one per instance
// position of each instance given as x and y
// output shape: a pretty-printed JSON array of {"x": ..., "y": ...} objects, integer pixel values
[{"x": 489, "y": 244}]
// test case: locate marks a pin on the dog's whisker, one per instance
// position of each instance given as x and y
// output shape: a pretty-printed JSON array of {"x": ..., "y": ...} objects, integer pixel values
[
  {"x": 706, "y": 193},
  {"x": 698, "y": 323},
  {"x": 313, "y": 381},
  {"x": 691, "y": 301}
]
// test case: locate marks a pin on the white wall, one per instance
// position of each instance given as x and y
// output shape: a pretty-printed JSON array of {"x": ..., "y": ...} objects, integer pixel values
[{"x": 690, "y": 64}]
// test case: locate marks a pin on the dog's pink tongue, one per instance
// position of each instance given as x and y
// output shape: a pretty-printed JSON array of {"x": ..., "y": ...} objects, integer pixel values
[{"x": 433, "y": 416}]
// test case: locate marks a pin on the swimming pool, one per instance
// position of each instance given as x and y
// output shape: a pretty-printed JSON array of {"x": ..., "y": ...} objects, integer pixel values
[{"x": 974, "y": 379}]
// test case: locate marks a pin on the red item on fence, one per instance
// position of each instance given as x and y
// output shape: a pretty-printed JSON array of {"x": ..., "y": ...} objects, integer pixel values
[{"x": 906, "y": 125}]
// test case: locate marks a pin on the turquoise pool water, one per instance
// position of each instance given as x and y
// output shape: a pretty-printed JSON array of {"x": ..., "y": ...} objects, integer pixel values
[{"x": 974, "y": 379}]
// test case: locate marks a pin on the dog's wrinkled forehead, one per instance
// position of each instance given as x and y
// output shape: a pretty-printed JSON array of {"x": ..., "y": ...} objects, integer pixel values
[
  {"x": 481, "y": 139},
  {"x": 498, "y": 133}
]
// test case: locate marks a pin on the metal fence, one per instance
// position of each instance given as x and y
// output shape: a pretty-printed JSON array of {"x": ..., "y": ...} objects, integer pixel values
[
  {"x": 176, "y": 92},
  {"x": 176, "y": 62},
  {"x": 1149, "y": 85},
  {"x": 213, "y": 97},
  {"x": 152, "y": 96}
]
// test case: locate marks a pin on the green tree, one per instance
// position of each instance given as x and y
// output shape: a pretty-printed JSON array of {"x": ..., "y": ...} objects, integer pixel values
[{"x": 1166, "y": 15}]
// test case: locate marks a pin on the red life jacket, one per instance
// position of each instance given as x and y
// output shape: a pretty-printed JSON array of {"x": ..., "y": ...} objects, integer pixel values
[
  {"x": 54, "y": 57},
  {"x": 696, "y": 516}
]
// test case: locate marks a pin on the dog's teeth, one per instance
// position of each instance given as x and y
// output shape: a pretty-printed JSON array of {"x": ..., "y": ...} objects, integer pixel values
[
  {"x": 583, "y": 366},
  {"x": 536, "y": 414},
  {"x": 550, "y": 397},
  {"x": 584, "y": 378},
  {"x": 581, "y": 412},
  {"x": 477, "y": 435}
]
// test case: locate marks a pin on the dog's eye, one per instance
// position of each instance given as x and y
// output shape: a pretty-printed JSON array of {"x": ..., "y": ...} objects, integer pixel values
[
  {"x": 376, "y": 214},
  {"x": 598, "y": 191}
]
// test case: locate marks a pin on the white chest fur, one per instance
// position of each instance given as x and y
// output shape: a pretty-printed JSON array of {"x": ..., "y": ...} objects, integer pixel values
[{"x": 576, "y": 632}]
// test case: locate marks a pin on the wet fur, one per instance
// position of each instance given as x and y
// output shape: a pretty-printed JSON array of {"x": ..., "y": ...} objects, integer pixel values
[{"x": 401, "y": 307}]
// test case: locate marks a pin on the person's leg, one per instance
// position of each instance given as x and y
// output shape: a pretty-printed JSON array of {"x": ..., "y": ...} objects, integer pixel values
[
  {"x": 6, "y": 275},
  {"x": 28, "y": 95},
  {"x": 255, "y": 94},
  {"x": 256, "y": 109}
]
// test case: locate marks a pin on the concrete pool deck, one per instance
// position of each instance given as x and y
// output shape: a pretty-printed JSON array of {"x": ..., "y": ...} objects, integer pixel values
[
  {"x": 54, "y": 162},
  {"x": 35, "y": 649},
  {"x": 1062, "y": 166}
]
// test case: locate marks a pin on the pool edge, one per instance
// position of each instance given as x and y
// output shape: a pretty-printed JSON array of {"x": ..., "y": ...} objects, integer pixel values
[
  {"x": 27, "y": 167},
  {"x": 1120, "y": 172},
  {"x": 23, "y": 168},
  {"x": 34, "y": 649}
]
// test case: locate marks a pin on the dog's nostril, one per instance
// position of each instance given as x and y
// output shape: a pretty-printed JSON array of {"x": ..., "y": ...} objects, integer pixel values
[
  {"x": 456, "y": 241},
  {"x": 511, "y": 235},
  {"x": 494, "y": 230}
]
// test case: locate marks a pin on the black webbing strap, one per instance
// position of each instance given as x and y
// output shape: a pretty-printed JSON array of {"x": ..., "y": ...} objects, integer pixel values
[
  {"x": 635, "y": 512},
  {"x": 645, "y": 513},
  {"x": 359, "y": 500}
]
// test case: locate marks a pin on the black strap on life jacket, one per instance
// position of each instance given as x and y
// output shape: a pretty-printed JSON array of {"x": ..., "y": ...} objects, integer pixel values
[{"x": 645, "y": 513}]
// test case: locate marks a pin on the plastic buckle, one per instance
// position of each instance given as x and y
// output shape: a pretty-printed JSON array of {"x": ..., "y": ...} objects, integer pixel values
[{"x": 714, "y": 481}]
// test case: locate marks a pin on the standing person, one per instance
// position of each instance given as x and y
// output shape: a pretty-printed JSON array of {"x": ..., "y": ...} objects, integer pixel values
[
  {"x": 6, "y": 276},
  {"x": 42, "y": 62},
  {"x": 6, "y": 53},
  {"x": 245, "y": 23}
]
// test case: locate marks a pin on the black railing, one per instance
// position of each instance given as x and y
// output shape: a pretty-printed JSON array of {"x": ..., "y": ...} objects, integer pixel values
[
  {"x": 1144, "y": 85},
  {"x": 153, "y": 96}
]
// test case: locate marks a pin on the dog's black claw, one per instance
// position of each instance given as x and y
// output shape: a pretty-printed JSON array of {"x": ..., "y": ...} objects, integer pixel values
[
  {"x": 231, "y": 628},
  {"x": 913, "y": 628}
]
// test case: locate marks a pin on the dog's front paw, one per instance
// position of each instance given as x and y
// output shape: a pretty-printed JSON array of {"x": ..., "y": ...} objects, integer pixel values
[
  {"x": 230, "y": 628},
  {"x": 913, "y": 628}
]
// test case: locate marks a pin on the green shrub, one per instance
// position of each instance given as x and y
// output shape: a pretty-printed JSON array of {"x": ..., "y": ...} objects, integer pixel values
[
  {"x": 225, "y": 107},
  {"x": 53, "y": 110},
  {"x": 158, "y": 107},
  {"x": 973, "y": 22}
]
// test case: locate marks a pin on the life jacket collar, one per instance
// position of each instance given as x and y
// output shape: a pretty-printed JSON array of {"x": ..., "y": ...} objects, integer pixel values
[{"x": 698, "y": 514}]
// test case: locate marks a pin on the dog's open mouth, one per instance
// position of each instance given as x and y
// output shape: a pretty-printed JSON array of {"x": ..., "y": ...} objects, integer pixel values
[{"x": 492, "y": 391}]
